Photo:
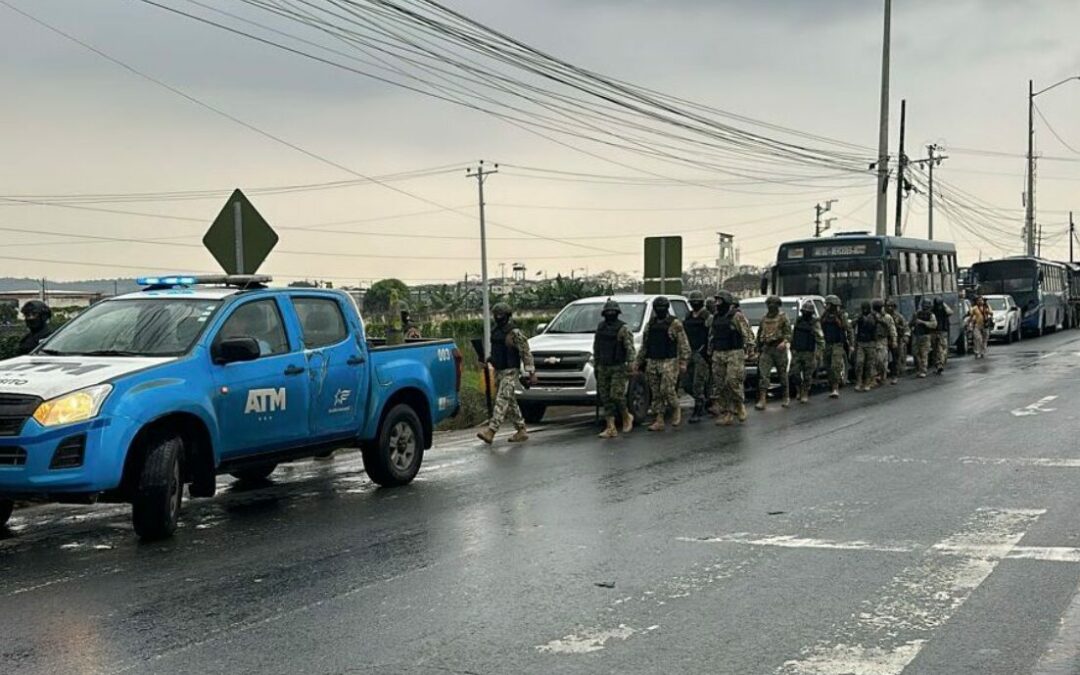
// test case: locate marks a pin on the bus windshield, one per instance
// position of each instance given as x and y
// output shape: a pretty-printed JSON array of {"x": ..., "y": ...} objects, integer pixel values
[
  {"x": 854, "y": 281},
  {"x": 1006, "y": 277}
]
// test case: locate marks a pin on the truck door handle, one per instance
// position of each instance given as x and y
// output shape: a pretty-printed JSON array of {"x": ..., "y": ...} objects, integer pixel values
[
  {"x": 357, "y": 360},
  {"x": 294, "y": 370}
]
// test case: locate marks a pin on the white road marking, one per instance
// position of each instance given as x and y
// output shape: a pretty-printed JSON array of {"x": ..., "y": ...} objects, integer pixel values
[
  {"x": 1047, "y": 355},
  {"x": 1039, "y": 462},
  {"x": 587, "y": 641},
  {"x": 886, "y": 638},
  {"x": 1035, "y": 408},
  {"x": 788, "y": 541}
]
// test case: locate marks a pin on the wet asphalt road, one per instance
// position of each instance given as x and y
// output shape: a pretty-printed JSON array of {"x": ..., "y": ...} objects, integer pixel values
[{"x": 925, "y": 528}]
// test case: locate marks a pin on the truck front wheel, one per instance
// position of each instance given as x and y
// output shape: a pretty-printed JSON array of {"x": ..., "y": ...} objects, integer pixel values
[
  {"x": 156, "y": 505},
  {"x": 532, "y": 412},
  {"x": 6, "y": 507},
  {"x": 394, "y": 457}
]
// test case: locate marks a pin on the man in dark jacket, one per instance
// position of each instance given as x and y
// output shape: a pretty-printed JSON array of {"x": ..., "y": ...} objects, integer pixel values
[{"x": 36, "y": 314}]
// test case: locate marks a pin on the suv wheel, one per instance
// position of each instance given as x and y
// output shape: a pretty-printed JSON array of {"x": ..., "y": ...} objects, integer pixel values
[
  {"x": 394, "y": 458},
  {"x": 156, "y": 506},
  {"x": 532, "y": 412},
  {"x": 6, "y": 507}
]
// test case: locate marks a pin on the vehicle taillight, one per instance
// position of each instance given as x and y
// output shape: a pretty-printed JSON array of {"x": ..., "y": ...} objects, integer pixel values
[{"x": 458, "y": 366}]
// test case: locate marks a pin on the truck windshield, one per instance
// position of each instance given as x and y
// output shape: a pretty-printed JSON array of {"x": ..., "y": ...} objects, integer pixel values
[
  {"x": 142, "y": 327},
  {"x": 585, "y": 317}
]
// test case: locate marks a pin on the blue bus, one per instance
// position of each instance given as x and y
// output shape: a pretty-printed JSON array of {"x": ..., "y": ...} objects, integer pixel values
[
  {"x": 1039, "y": 287},
  {"x": 858, "y": 267}
]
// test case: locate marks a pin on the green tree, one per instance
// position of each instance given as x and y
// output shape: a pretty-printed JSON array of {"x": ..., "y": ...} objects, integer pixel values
[
  {"x": 9, "y": 313},
  {"x": 377, "y": 299}
]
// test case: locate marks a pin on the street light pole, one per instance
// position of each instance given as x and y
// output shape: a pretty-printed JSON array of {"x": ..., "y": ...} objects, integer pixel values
[
  {"x": 883, "y": 129},
  {"x": 1029, "y": 211}
]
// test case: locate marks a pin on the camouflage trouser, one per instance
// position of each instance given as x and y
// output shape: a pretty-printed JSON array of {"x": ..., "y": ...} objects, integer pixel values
[
  {"x": 899, "y": 366},
  {"x": 699, "y": 376},
  {"x": 882, "y": 359},
  {"x": 939, "y": 349},
  {"x": 729, "y": 380},
  {"x": 921, "y": 347},
  {"x": 866, "y": 356},
  {"x": 611, "y": 384},
  {"x": 770, "y": 358},
  {"x": 663, "y": 378},
  {"x": 836, "y": 359},
  {"x": 803, "y": 365},
  {"x": 982, "y": 339},
  {"x": 506, "y": 405}
]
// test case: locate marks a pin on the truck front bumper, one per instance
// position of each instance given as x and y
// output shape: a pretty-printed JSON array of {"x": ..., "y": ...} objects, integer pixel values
[
  {"x": 557, "y": 387},
  {"x": 69, "y": 460}
]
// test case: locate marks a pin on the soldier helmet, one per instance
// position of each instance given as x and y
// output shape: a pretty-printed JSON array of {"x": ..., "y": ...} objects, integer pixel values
[
  {"x": 890, "y": 302},
  {"x": 37, "y": 308},
  {"x": 833, "y": 300},
  {"x": 501, "y": 309},
  {"x": 807, "y": 306},
  {"x": 926, "y": 304},
  {"x": 611, "y": 306},
  {"x": 865, "y": 307},
  {"x": 773, "y": 300},
  {"x": 725, "y": 297},
  {"x": 710, "y": 304},
  {"x": 661, "y": 302},
  {"x": 878, "y": 305},
  {"x": 696, "y": 296}
]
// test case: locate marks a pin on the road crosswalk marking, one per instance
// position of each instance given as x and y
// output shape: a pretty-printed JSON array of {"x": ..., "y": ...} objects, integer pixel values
[{"x": 1036, "y": 407}]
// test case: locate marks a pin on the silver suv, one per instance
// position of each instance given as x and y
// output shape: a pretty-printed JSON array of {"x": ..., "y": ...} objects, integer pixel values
[{"x": 564, "y": 358}]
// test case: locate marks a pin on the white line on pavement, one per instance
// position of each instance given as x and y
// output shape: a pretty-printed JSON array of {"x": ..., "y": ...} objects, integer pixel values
[
  {"x": 789, "y": 541},
  {"x": 1035, "y": 408},
  {"x": 889, "y": 634},
  {"x": 1038, "y": 462}
]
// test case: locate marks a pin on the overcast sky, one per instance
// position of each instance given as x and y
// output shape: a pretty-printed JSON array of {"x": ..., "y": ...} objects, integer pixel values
[{"x": 75, "y": 123}]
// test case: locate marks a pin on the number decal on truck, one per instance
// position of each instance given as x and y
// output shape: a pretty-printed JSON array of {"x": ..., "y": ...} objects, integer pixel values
[{"x": 445, "y": 354}]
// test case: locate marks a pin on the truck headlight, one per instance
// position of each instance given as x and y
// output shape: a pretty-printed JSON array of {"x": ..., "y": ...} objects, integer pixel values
[{"x": 74, "y": 407}]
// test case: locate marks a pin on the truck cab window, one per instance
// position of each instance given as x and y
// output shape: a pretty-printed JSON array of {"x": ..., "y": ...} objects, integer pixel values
[
  {"x": 261, "y": 321},
  {"x": 321, "y": 322}
]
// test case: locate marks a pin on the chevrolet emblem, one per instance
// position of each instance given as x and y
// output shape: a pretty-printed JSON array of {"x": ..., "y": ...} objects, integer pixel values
[{"x": 552, "y": 360}]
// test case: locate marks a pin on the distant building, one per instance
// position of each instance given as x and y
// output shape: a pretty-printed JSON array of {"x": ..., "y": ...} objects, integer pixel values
[{"x": 53, "y": 298}]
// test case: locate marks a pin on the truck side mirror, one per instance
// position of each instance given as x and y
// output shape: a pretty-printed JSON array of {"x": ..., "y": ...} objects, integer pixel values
[
  {"x": 235, "y": 350},
  {"x": 541, "y": 327}
]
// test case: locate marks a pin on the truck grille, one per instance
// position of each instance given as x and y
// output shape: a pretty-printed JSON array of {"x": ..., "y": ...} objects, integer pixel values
[
  {"x": 561, "y": 382},
  {"x": 10, "y": 456},
  {"x": 14, "y": 411},
  {"x": 564, "y": 361}
]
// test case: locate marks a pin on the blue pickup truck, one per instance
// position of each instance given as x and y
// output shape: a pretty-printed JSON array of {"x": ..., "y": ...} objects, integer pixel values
[{"x": 193, "y": 377}]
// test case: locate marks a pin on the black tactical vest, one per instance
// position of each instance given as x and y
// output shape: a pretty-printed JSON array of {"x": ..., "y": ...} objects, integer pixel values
[
  {"x": 866, "y": 328},
  {"x": 504, "y": 356},
  {"x": 697, "y": 332},
  {"x": 658, "y": 344},
  {"x": 942, "y": 320},
  {"x": 608, "y": 349},
  {"x": 832, "y": 326},
  {"x": 920, "y": 329},
  {"x": 726, "y": 335},
  {"x": 802, "y": 339}
]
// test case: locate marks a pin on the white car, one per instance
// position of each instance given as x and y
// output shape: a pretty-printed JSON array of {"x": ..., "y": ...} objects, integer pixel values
[
  {"x": 564, "y": 360},
  {"x": 754, "y": 309},
  {"x": 1006, "y": 318}
]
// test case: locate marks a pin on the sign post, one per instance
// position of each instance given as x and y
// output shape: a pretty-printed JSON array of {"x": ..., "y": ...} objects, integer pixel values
[
  {"x": 663, "y": 265},
  {"x": 240, "y": 239}
]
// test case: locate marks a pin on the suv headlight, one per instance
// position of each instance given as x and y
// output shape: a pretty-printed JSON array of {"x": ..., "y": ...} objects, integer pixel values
[{"x": 74, "y": 407}]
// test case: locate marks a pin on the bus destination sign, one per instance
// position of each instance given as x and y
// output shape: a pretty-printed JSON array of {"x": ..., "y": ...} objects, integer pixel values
[{"x": 831, "y": 250}]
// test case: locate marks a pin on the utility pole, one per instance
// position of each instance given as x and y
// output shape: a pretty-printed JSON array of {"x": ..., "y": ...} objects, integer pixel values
[
  {"x": 1038, "y": 245},
  {"x": 1029, "y": 206},
  {"x": 901, "y": 174},
  {"x": 481, "y": 174},
  {"x": 930, "y": 162},
  {"x": 818, "y": 211},
  {"x": 883, "y": 128},
  {"x": 1072, "y": 236}
]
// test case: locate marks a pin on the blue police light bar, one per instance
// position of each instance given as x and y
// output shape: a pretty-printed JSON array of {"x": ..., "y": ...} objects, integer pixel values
[
  {"x": 166, "y": 281},
  {"x": 205, "y": 279}
]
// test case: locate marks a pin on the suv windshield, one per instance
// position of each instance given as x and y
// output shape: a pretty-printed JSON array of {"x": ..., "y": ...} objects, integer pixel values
[
  {"x": 585, "y": 317},
  {"x": 142, "y": 327},
  {"x": 997, "y": 304}
]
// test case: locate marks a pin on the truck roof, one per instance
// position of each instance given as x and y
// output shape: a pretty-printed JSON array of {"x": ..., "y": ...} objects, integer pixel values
[{"x": 194, "y": 292}]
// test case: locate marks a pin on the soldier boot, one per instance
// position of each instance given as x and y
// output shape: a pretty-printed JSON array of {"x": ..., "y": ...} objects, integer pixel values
[
  {"x": 699, "y": 410},
  {"x": 741, "y": 413},
  {"x": 725, "y": 420},
  {"x": 627, "y": 422},
  {"x": 609, "y": 431},
  {"x": 520, "y": 436},
  {"x": 762, "y": 395},
  {"x": 658, "y": 423},
  {"x": 487, "y": 435},
  {"x": 676, "y": 416}
]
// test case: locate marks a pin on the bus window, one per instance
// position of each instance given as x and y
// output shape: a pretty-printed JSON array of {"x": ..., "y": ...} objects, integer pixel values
[{"x": 905, "y": 273}]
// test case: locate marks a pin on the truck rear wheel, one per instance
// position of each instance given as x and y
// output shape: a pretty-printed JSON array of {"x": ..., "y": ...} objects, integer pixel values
[
  {"x": 394, "y": 457},
  {"x": 160, "y": 491},
  {"x": 6, "y": 507},
  {"x": 532, "y": 412},
  {"x": 254, "y": 474}
]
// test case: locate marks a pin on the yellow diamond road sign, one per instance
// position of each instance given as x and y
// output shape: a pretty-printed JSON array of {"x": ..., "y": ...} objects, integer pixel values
[{"x": 240, "y": 238}]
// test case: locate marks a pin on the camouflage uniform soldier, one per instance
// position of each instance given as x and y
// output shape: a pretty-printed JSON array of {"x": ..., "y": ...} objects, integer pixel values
[
  {"x": 730, "y": 338},
  {"x": 710, "y": 389},
  {"x": 613, "y": 350},
  {"x": 663, "y": 356},
  {"x": 509, "y": 354},
  {"x": 697, "y": 334},
  {"x": 866, "y": 348},
  {"x": 886, "y": 341},
  {"x": 923, "y": 327},
  {"x": 903, "y": 335},
  {"x": 774, "y": 334},
  {"x": 839, "y": 341},
  {"x": 807, "y": 346},
  {"x": 939, "y": 342}
]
